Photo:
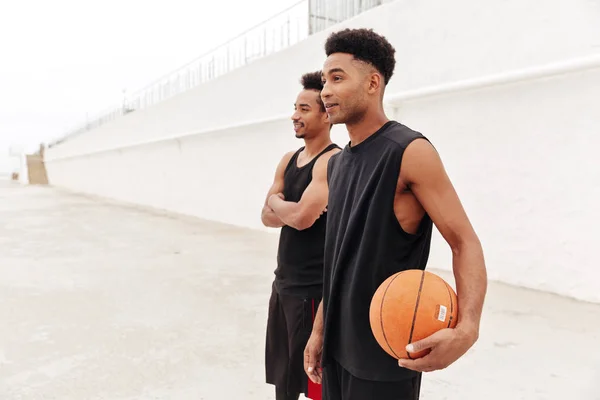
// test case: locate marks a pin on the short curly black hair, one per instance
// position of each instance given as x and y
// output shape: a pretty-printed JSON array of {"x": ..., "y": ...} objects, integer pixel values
[
  {"x": 313, "y": 81},
  {"x": 365, "y": 45}
]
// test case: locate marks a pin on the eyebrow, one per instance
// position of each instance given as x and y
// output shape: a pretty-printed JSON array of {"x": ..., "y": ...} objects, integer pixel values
[
  {"x": 302, "y": 105},
  {"x": 333, "y": 70}
]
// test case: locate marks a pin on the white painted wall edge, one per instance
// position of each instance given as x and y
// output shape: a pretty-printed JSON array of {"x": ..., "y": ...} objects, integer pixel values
[
  {"x": 169, "y": 138},
  {"x": 526, "y": 74},
  {"x": 553, "y": 69}
]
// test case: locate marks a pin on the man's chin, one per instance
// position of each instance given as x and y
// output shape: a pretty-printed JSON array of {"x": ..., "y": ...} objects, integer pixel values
[
  {"x": 300, "y": 135},
  {"x": 336, "y": 119}
]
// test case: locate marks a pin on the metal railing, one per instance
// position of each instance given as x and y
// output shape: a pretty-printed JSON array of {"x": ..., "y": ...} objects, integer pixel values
[
  {"x": 325, "y": 13},
  {"x": 282, "y": 30},
  {"x": 393, "y": 101},
  {"x": 278, "y": 32}
]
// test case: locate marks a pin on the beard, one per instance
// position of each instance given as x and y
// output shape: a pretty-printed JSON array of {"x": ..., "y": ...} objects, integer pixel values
[
  {"x": 338, "y": 118},
  {"x": 351, "y": 111},
  {"x": 301, "y": 133},
  {"x": 347, "y": 115}
]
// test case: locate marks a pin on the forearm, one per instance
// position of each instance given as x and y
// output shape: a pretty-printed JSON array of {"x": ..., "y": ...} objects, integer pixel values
[
  {"x": 471, "y": 284},
  {"x": 288, "y": 212},
  {"x": 269, "y": 218},
  {"x": 318, "y": 322}
]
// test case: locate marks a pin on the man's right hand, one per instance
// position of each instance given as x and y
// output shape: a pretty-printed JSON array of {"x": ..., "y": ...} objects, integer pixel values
[{"x": 312, "y": 357}]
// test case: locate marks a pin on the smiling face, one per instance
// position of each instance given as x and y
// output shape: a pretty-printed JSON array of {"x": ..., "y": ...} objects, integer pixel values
[
  {"x": 309, "y": 118},
  {"x": 347, "y": 92}
]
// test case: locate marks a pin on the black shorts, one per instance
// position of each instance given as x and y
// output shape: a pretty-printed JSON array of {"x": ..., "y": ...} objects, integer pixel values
[
  {"x": 339, "y": 384},
  {"x": 289, "y": 326}
]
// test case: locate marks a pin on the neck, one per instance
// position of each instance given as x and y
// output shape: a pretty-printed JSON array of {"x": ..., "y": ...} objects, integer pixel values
[
  {"x": 314, "y": 146},
  {"x": 366, "y": 126}
]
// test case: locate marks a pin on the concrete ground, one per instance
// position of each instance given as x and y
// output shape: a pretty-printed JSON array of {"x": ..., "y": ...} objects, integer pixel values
[{"x": 105, "y": 301}]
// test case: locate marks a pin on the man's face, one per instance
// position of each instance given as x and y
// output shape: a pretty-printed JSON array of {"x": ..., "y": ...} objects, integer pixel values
[
  {"x": 309, "y": 118},
  {"x": 345, "y": 90}
]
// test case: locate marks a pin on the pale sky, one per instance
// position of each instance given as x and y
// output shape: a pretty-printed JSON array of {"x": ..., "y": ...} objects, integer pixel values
[{"x": 62, "y": 59}]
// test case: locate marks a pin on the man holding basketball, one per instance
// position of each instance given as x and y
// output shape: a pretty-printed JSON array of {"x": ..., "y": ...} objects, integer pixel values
[
  {"x": 297, "y": 202},
  {"x": 387, "y": 188}
]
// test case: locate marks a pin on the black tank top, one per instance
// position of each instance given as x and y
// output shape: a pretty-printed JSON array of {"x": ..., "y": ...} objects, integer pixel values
[
  {"x": 364, "y": 245},
  {"x": 300, "y": 254}
]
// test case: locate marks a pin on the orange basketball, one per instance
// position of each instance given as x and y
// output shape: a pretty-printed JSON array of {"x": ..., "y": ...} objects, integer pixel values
[{"x": 409, "y": 306}]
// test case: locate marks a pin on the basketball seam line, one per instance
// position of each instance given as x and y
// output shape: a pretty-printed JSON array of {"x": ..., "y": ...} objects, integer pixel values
[
  {"x": 451, "y": 304},
  {"x": 381, "y": 315},
  {"x": 412, "y": 328}
]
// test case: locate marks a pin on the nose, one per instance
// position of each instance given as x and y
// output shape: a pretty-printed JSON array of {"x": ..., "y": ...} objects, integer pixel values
[
  {"x": 325, "y": 92},
  {"x": 295, "y": 116}
]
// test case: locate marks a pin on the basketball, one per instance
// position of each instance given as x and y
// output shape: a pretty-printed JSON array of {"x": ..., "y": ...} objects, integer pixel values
[{"x": 409, "y": 306}]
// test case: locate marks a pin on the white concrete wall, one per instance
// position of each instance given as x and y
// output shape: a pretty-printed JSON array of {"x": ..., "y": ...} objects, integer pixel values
[
  {"x": 523, "y": 158},
  {"x": 519, "y": 153}
]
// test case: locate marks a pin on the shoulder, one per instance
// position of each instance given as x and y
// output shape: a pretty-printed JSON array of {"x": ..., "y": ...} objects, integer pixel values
[
  {"x": 324, "y": 159},
  {"x": 322, "y": 162},
  {"x": 420, "y": 161},
  {"x": 287, "y": 157},
  {"x": 285, "y": 161},
  {"x": 401, "y": 135}
]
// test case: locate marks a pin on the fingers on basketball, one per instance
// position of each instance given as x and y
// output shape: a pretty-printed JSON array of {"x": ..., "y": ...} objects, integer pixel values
[{"x": 410, "y": 306}]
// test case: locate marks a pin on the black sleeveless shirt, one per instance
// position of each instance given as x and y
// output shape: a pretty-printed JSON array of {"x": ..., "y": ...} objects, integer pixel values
[
  {"x": 364, "y": 245},
  {"x": 300, "y": 254}
]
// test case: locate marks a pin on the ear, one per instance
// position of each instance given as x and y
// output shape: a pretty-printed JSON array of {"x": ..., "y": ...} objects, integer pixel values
[{"x": 375, "y": 82}]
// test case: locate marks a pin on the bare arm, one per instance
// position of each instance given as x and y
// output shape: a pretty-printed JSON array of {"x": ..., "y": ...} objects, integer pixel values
[
  {"x": 422, "y": 170},
  {"x": 314, "y": 348},
  {"x": 318, "y": 322},
  {"x": 268, "y": 217},
  {"x": 304, "y": 213}
]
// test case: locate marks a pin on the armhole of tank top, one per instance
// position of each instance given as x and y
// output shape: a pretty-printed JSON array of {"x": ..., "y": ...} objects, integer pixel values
[{"x": 423, "y": 221}]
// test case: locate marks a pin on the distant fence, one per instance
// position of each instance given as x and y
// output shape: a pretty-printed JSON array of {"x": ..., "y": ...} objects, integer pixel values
[
  {"x": 278, "y": 32},
  {"x": 325, "y": 13},
  {"x": 282, "y": 30}
]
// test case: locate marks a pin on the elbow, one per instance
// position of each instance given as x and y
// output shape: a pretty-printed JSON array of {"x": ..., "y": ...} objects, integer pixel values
[
  {"x": 263, "y": 218},
  {"x": 465, "y": 243},
  {"x": 266, "y": 219}
]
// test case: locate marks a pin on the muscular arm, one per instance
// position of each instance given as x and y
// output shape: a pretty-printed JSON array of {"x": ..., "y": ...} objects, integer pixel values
[
  {"x": 304, "y": 213},
  {"x": 268, "y": 217},
  {"x": 422, "y": 170}
]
